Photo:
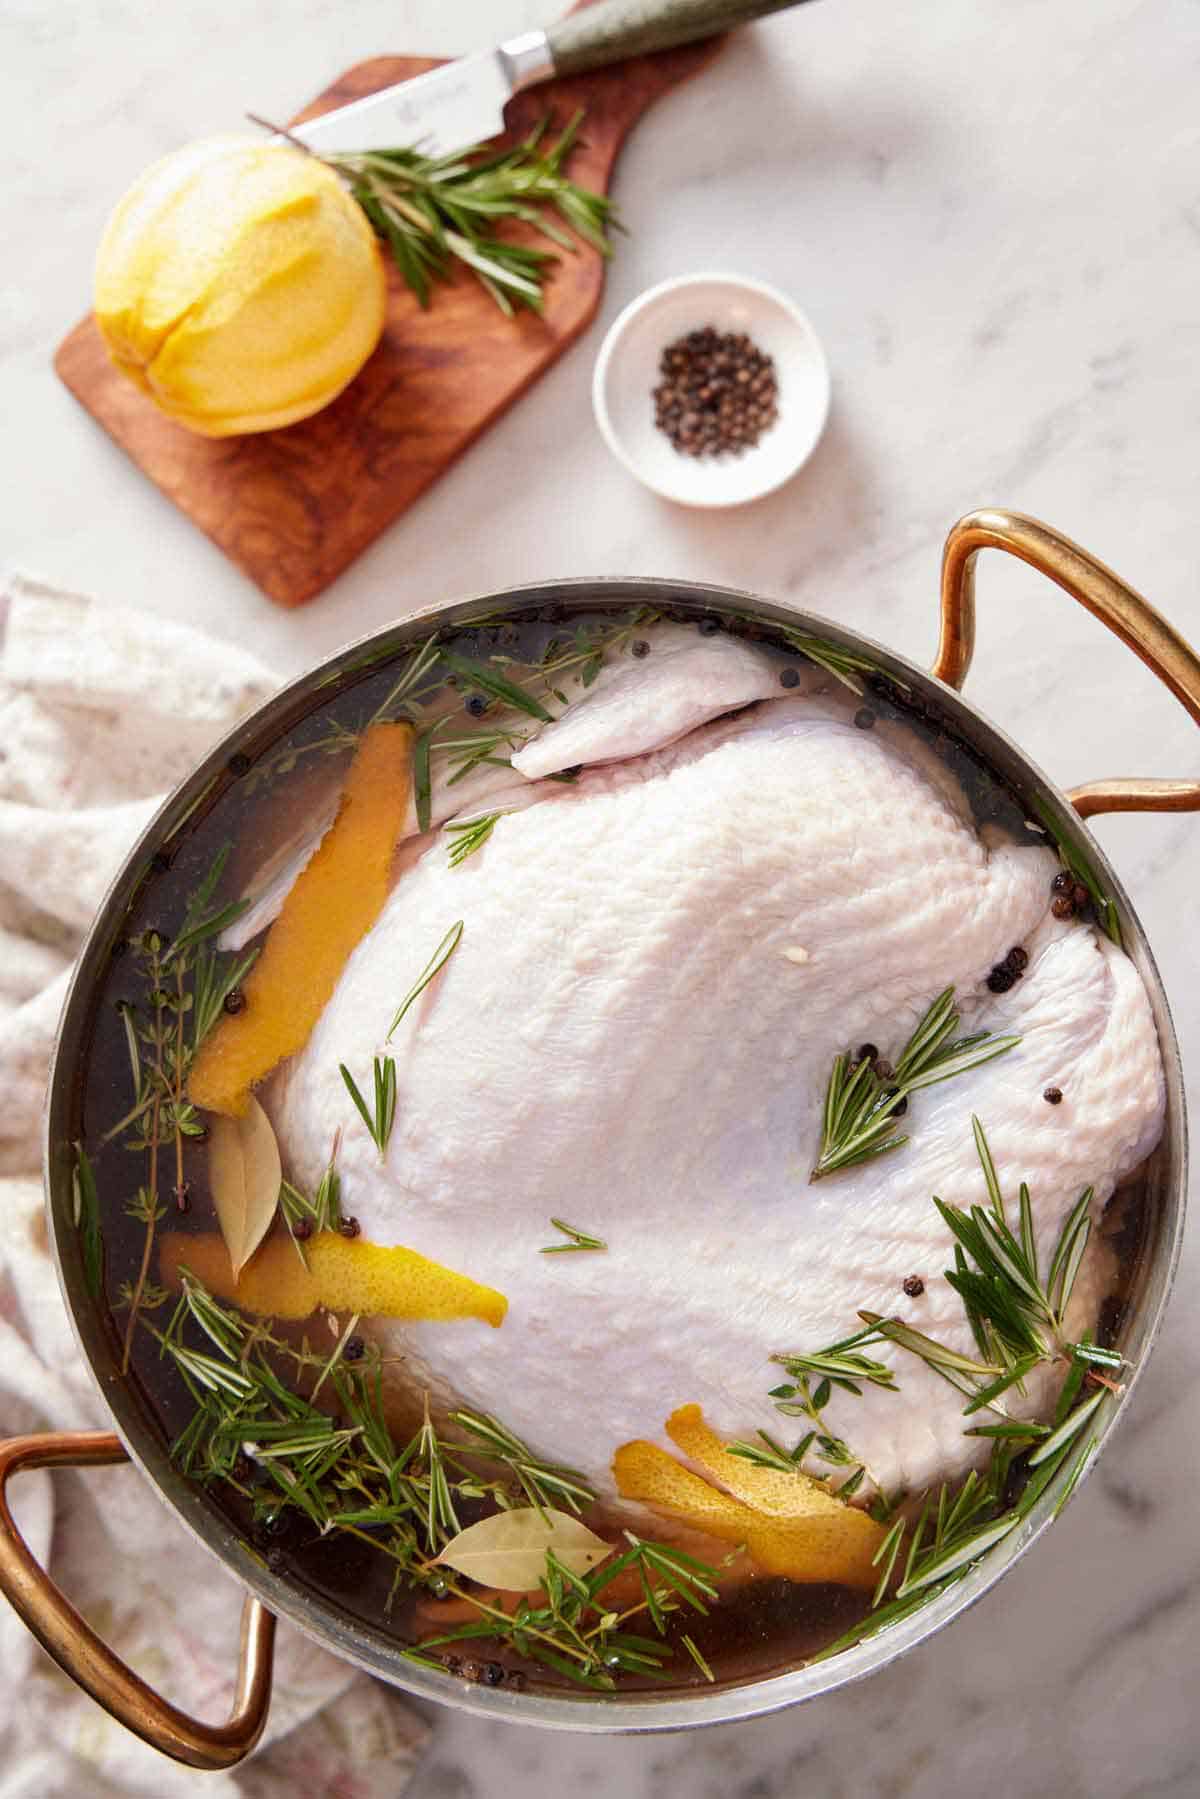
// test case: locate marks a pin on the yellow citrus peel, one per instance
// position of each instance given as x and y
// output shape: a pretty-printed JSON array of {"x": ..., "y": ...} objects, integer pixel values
[
  {"x": 343, "y": 1275},
  {"x": 330, "y": 909},
  {"x": 790, "y": 1524}
]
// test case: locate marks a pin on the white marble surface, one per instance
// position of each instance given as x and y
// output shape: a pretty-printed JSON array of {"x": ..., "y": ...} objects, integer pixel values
[{"x": 992, "y": 214}]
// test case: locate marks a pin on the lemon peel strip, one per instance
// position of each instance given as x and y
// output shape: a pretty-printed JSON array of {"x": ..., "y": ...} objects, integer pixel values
[
  {"x": 831, "y": 1542},
  {"x": 343, "y": 1275}
]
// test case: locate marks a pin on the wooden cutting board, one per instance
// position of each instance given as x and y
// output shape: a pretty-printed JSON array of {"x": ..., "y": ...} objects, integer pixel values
[{"x": 293, "y": 508}]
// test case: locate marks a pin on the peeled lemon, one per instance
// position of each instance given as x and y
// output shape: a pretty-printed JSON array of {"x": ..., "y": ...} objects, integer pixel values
[{"x": 239, "y": 285}]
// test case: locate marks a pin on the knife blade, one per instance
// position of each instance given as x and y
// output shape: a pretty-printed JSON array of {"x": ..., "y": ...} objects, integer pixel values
[{"x": 462, "y": 103}]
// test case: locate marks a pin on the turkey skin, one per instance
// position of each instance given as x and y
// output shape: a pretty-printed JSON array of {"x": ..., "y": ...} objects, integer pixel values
[{"x": 658, "y": 964}]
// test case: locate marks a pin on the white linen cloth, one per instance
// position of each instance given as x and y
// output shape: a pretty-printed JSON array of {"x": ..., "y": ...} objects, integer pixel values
[{"x": 101, "y": 712}]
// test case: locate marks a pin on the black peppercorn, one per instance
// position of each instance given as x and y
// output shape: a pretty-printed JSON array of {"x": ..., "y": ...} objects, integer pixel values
[
  {"x": 1053, "y": 1096},
  {"x": 1080, "y": 895},
  {"x": 716, "y": 393},
  {"x": 789, "y": 677},
  {"x": 639, "y": 647},
  {"x": 452, "y": 1664},
  {"x": 350, "y": 1227},
  {"x": 238, "y": 763},
  {"x": 516, "y": 1680},
  {"x": 470, "y": 1671},
  {"x": 234, "y": 1001},
  {"x": 493, "y": 1674},
  {"x": 1062, "y": 882},
  {"x": 883, "y": 1068},
  {"x": 901, "y": 1105},
  {"x": 355, "y": 1349},
  {"x": 1001, "y": 979},
  {"x": 864, "y": 718},
  {"x": 302, "y": 1230},
  {"x": 476, "y": 705},
  {"x": 1017, "y": 960},
  {"x": 867, "y": 1052},
  {"x": 914, "y": 1286},
  {"x": 1063, "y": 906}
]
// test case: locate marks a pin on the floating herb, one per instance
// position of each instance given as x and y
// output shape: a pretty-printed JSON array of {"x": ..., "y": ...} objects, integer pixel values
[
  {"x": 253, "y": 1432},
  {"x": 435, "y": 964},
  {"x": 467, "y": 838},
  {"x": 699, "y": 1660},
  {"x": 1078, "y": 865},
  {"x": 860, "y": 1115},
  {"x": 1016, "y": 1317},
  {"x": 577, "y": 1240},
  {"x": 245, "y": 1177},
  {"x": 543, "y": 1483},
  {"x": 380, "y": 1120},
  {"x": 306, "y": 1217},
  {"x": 844, "y": 665},
  {"x": 508, "y": 1549},
  {"x": 183, "y": 986},
  {"x": 86, "y": 1204}
]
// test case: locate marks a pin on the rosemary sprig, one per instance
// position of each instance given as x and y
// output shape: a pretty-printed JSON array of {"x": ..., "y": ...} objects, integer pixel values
[
  {"x": 859, "y": 1120},
  {"x": 435, "y": 211},
  {"x": 434, "y": 966},
  {"x": 844, "y": 665},
  {"x": 470, "y": 836},
  {"x": 576, "y": 1240},
  {"x": 1016, "y": 1316},
  {"x": 253, "y": 1432},
  {"x": 379, "y": 1119},
  {"x": 542, "y": 1483},
  {"x": 306, "y": 1217}
]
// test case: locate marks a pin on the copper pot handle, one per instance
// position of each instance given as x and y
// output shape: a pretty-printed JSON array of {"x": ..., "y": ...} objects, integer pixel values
[
  {"x": 81, "y": 1654},
  {"x": 1116, "y": 605}
]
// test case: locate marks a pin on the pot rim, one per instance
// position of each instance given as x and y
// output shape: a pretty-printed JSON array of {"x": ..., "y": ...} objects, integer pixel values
[{"x": 320, "y": 1619}]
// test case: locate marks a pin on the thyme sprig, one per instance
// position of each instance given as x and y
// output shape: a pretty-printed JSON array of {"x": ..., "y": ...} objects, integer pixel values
[
  {"x": 183, "y": 986},
  {"x": 859, "y": 1120},
  {"x": 434, "y": 212},
  {"x": 577, "y": 1633}
]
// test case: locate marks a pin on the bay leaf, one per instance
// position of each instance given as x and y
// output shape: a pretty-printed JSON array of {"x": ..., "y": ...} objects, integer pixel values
[
  {"x": 508, "y": 1550},
  {"x": 245, "y": 1173}
]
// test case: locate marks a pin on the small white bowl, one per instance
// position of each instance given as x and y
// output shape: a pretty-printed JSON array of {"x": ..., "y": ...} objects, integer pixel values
[{"x": 627, "y": 373}]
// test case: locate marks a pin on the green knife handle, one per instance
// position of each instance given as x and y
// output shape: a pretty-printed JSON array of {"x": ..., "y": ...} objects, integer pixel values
[{"x": 614, "y": 29}]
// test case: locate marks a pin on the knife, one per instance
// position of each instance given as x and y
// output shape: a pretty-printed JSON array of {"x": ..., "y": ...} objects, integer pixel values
[{"x": 463, "y": 102}]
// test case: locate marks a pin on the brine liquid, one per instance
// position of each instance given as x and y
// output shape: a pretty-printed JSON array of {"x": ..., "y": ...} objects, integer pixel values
[{"x": 765, "y": 1625}]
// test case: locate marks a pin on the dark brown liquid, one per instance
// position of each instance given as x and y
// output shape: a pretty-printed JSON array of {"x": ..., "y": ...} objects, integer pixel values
[{"x": 763, "y": 1626}]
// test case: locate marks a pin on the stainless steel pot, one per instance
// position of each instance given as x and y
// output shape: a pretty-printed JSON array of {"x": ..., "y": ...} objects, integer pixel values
[{"x": 50, "y": 1615}]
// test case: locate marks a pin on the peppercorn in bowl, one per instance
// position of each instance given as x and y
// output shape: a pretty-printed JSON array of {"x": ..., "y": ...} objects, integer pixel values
[{"x": 711, "y": 390}]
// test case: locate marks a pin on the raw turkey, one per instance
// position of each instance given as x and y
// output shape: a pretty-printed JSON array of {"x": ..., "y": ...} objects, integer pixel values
[{"x": 657, "y": 966}]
